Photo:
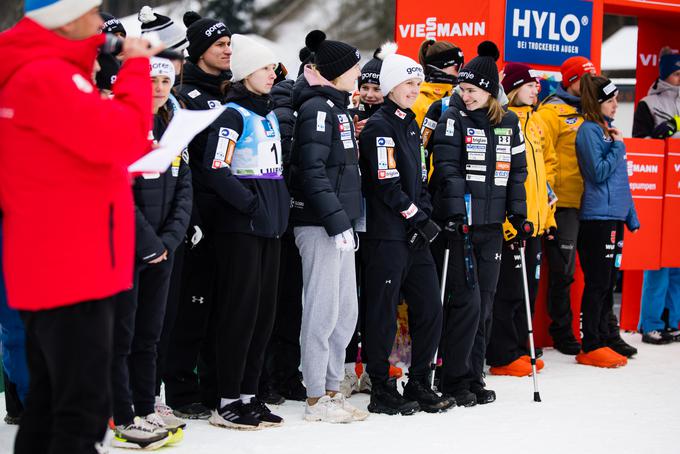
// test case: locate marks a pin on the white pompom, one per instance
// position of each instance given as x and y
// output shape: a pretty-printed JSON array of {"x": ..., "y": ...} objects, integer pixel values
[
  {"x": 386, "y": 49},
  {"x": 146, "y": 15}
]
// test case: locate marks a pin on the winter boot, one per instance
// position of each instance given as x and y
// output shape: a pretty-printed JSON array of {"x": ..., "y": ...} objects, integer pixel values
[
  {"x": 463, "y": 397},
  {"x": 139, "y": 435},
  {"x": 293, "y": 389},
  {"x": 601, "y": 357},
  {"x": 235, "y": 416},
  {"x": 621, "y": 347},
  {"x": 420, "y": 391},
  {"x": 386, "y": 399},
  {"x": 483, "y": 395},
  {"x": 517, "y": 368},
  {"x": 270, "y": 396},
  {"x": 568, "y": 346},
  {"x": 263, "y": 413}
]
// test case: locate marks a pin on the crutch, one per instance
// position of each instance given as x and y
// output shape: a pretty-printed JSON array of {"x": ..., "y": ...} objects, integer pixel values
[
  {"x": 445, "y": 270},
  {"x": 537, "y": 396}
]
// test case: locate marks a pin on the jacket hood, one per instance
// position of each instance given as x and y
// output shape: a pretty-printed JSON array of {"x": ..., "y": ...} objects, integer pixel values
[
  {"x": 193, "y": 75},
  {"x": 302, "y": 92},
  {"x": 570, "y": 99},
  {"x": 28, "y": 41},
  {"x": 663, "y": 88},
  {"x": 283, "y": 93}
]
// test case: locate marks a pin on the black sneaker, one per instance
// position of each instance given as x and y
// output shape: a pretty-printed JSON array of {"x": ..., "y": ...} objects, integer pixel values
[
  {"x": 192, "y": 411},
  {"x": 270, "y": 396},
  {"x": 655, "y": 337},
  {"x": 621, "y": 347},
  {"x": 483, "y": 395},
  {"x": 234, "y": 416},
  {"x": 672, "y": 334},
  {"x": 386, "y": 399},
  {"x": 538, "y": 351},
  {"x": 293, "y": 389},
  {"x": 12, "y": 420},
  {"x": 263, "y": 413},
  {"x": 463, "y": 398},
  {"x": 568, "y": 346},
  {"x": 429, "y": 401}
]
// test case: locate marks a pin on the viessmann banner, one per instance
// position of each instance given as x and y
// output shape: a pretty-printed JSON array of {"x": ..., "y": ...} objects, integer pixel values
[{"x": 547, "y": 32}]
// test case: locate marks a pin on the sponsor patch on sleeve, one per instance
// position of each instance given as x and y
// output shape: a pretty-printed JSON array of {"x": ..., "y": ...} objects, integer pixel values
[
  {"x": 409, "y": 212},
  {"x": 450, "y": 127},
  {"x": 229, "y": 133},
  {"x": 193, "y": 94},
  {"x": 518, "y": 149},
  {"x": 382, "y": 158},
  {"x": 473, "y": 177},
  {"x": 429, "y": 123},
  {"x": 321, "y": 121},
  {"x": 384, "y": 141},
  {"x": 387, "y": 174}
]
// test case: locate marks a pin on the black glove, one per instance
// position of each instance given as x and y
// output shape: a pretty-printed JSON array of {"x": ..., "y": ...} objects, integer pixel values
[
  {"x": 665, "y": 129},
  {"x": 455, "y": 227},
  {"x": 524, "y": 227},
  {"x": 423, "y": 234},
  {"x": 551, "y": 234}
]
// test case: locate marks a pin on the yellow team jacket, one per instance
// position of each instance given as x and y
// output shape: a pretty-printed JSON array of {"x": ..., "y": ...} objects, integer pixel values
[
  {"x": 538, "y": 157},
  {"x": 429, "y": 93},
  {"x": 562, "y": 122}
]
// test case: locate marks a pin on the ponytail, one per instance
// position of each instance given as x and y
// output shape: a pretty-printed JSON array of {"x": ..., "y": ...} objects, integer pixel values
[
  {"x": 590, "y": 106},
  {"x": 422, "y": 53}
]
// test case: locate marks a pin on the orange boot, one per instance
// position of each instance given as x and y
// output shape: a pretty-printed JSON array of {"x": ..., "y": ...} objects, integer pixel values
[
  {"x": 396, "y": 372},
  {"x": 539, "y": 362},
  {"x": 517, "y": 368},
  {"x": 602, "y": 357}
]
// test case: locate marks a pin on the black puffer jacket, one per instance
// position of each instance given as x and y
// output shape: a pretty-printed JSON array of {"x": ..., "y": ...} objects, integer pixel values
[
  {"x": 393, "y": 174},
  {"x": 282, "y": 93},
  {"x": 488, "y": 162},
  {"x": 198, "y": 90},
  {"x": 162, "y": 205},
  {"x": 364, "y": 111},
  {"x": 325, "y": 183},
  {"x": 257, "y": 206}
]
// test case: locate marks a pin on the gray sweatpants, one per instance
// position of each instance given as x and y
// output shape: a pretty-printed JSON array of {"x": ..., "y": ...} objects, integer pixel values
[{"x": 329, "y": 311}]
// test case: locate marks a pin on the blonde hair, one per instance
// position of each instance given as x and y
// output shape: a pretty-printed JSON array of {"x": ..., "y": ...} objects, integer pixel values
[
  {"x": 495, "y": 110},
  {"x": 512, "y": 98}
]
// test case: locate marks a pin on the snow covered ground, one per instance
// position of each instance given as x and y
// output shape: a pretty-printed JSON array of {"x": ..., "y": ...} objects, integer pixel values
[{"x": 635, "y": 409}]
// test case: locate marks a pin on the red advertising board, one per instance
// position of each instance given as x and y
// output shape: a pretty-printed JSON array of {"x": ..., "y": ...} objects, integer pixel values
[
  {"x": 642, "y": 250},
  {"x": 653, "y": 34},
  {"x": 670, "y": 249}
]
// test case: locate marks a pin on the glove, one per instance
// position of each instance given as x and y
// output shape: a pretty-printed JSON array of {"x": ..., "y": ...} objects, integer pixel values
[
  {"x": 551, "y": 234},
  {"x": 423, "y": 234},
  {"x": 344, "y": 241},
  {"x": 197, "y": 236},
  {"x": 524, "y": 227},
  {"x": 455, "y": 227},
  {"x": 667, "y": 128}
]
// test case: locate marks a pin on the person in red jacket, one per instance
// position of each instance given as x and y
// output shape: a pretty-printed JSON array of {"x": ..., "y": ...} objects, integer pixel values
[{"x": 68, "y": 212}]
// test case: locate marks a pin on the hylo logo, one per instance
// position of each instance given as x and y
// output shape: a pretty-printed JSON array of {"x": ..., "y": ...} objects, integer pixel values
[{"x": 569, "y": 26}]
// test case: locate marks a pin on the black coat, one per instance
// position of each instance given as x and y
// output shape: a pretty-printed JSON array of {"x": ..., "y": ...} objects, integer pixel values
[
  {"x": 162, "y": 205},
  {"x": 364, "y": 111},
  {"x": 282, "y": 93},
  {"x": 254, "y": 206},
  {"x": 488, "y": 162},
  {"x": 325, "y": 183},
  {"x": 393, "y": 175},
  {"x": 198, "y": 90}
]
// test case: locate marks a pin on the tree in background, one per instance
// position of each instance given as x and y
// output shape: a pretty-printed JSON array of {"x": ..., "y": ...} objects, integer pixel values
[{"x": 237, "y": 14}]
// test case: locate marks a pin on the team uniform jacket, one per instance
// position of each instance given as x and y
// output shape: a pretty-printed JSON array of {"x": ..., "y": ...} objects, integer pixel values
[
  {"x": 162, "y": 205},
  {"x": 488, "y": 162},
  {"x": 562, "y": 117},
  {"x": 393, "y": 174},
  {"x": 65, "y": 191},
  {"x": 607, "y": 193},
  {"x": 364, "y": 111},
  {"x": 282, "y": 93},
  {"x": 254, "y": 203},
  {"x": 325, "y": 180},
  {"x": 429, "y": 93}
]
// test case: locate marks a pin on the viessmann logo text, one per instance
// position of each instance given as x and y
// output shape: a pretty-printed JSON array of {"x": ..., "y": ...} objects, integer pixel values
[{"x": 432, "y": 29}]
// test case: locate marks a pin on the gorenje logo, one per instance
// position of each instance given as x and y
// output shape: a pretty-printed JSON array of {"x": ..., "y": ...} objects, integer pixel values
[
  {"x": 218, "y": 27},
  {"x": 547, "y": 31},
  {"x": 432, "y": 29}
]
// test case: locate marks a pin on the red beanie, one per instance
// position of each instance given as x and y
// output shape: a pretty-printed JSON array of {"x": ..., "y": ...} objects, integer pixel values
[
  {"x": 516, "y": 75},
  {"x": 573, "y": 68}
]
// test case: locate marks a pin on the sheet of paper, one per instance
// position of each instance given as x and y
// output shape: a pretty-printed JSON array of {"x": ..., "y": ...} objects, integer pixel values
[{"x": 184, "y": 126}]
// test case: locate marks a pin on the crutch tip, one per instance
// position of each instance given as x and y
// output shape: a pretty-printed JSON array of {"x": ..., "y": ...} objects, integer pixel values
[{"x": 537, "y": 397}]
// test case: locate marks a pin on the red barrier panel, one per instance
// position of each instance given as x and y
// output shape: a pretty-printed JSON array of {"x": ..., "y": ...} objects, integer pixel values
[{"x": 670, "y": 249}]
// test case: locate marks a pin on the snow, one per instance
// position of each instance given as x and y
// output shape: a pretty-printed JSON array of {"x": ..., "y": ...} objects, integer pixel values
[{"x": 629, "y": 410}]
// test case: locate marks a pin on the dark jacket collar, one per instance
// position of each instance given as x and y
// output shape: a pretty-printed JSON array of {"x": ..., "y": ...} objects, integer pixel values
[
  {"x": 397, "y": 113},
  {"x": 193, "y": 75},
  {"x": 260, "y": 104}
]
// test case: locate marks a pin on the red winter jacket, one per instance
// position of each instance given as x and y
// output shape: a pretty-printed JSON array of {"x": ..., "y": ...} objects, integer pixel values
[{"x": 65, "y": 192}]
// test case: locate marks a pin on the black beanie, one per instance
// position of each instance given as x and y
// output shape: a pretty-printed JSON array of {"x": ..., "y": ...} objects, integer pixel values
[
  {"x": 446, "y": 58},
  {"x": 332, "y": 58},
  {"x": 305, "y": 57},
  {"x": 112, "y": 24},
  {"x": 370, "y": 73},
  {"x": 106, "y": 76},
  {"x": 202, "y": 33},
  {"x": 482, "y": 71}
]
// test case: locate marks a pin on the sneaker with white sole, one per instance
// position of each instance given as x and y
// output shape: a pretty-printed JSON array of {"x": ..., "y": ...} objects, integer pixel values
[
  {"x": 350, "y": 384},
  {"x": 235, "y": 416},
  {"x": 171, "y": 421},
  {"x": 139, "y": 434},
  {"x": 327, "y": 410},
  {"x": 655, "y": 337},
  {"x": 176, "y": 431},
  {"x": 357, "y": 414}
]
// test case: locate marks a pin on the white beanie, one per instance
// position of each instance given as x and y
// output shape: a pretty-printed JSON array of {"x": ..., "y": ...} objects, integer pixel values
[
  {"x": 53, "y": 14},
  {"x": 162, "y": 67},
  {"x": 397, "y": 69},
  {"x": 173, "y": 35},
  {"x": 247, "y": 56}
]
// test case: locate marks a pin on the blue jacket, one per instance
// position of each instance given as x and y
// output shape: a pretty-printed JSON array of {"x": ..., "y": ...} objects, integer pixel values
[{"x": 606, "y": 193}]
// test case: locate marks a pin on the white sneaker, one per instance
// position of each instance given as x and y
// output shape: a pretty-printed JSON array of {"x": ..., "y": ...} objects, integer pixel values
[
  {"x": 172, "y": 422},
  {"x": 157, "y": 421},
  {"x": 350, "y": 384},
  {"x": 140, "y": 435},
  {"x": 327, "y": 410},
  {"x": 357, "y": 414},
  {"x": 365, "y": 383}
]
